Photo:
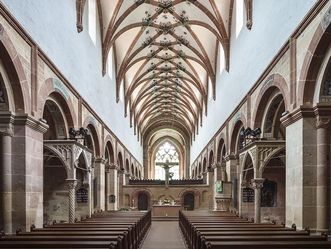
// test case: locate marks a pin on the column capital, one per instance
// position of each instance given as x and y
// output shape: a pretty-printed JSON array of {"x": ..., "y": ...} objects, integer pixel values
[
  {"x": 245, "y": 184},
  {"x": 71, "y": 183},
  {"x": 322, "y": 122},
  {"x": 230, "y": 157},
  {"x": 110, "y": 166},
  {"x": 257, "y": 183},
  {"x": 6, "y": 124},
  {"x": 100, "y": 160}
]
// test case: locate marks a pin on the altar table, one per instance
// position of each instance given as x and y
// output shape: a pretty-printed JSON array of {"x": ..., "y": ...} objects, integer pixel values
[{"x": 165, "y": 210}]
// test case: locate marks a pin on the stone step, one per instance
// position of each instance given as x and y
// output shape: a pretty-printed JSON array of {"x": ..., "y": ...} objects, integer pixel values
[{"x": 165, "y": 218}]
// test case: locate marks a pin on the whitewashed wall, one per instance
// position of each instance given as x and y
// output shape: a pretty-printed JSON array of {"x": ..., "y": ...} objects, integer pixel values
[
  {"x": 52, "y": 24},
  {"x": 251, "y": 52}
]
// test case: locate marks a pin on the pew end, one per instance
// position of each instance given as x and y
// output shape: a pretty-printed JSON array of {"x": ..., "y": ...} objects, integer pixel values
[
  {"x": 307, "y": 229},
  {"x": 18, "y": 230}
]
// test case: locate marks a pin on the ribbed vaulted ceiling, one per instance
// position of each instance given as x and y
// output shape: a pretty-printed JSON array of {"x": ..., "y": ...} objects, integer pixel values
[{"x": 166, "y": 56}]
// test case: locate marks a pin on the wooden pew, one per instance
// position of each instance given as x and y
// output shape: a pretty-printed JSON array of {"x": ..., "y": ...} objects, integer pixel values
[
  {"x": 228, "y": 232},
  {"x": 269, "y": 244},
  {"x": 107, "y": 230}
]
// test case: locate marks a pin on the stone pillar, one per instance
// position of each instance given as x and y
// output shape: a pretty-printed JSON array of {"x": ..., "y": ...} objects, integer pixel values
[
  {"x": 6, "y": 133},
  {"x": 90, "y": 191},
  {"x": 27, "y": 182},
  {"x": 100, "y": 175},
  {"x": 71, "y": 185},
  {"x": 322, "y": 200},
  {"x": 126, "y": 178},
  {"x": 211, "y": 184},
  {"x": 300, "y": 168},
  {"x": 242, "y": 184},
  {"x": 257, "y": 185},
  {"x": 111, "y": 187},
  {"x": 120, "y": 192},
  {"x": 232, "y": 166}
]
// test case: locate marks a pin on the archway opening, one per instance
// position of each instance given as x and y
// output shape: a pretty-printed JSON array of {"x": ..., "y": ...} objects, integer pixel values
[
  {"x": 83, "y": 188},
  {"x": 55, "y": 202},
  {"x": 273, "y": 193},
  {"x": 247, "y": 192},
  {"x": 56, "y": 207},
  {"x": 54, "y": 116}
]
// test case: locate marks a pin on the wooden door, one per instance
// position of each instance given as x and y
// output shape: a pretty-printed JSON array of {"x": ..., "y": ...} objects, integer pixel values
[
  {"x": 189, "y": 201},
  {"x": 142, "y": 201}
]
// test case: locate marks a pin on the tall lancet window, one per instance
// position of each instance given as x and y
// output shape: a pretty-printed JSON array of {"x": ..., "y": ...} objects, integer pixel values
[{"x": 167, "y": 153}]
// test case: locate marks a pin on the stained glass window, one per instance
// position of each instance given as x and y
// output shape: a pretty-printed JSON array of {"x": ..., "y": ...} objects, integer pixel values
[{"x": 166, "y": 152}]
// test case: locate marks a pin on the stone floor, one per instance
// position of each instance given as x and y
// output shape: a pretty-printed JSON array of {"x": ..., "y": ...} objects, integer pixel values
[{"x": 164, "y": 235}]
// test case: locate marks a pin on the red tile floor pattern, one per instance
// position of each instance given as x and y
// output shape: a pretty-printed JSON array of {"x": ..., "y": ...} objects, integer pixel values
[{"x": 164, "y": 235}]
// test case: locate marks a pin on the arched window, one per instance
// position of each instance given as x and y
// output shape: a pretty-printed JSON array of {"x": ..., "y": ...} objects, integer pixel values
[
  {"x": 110, "y": 64},
  {"x": 166, "y": 152},
  {"x": 239, "y": 16},
  {"x": 92, "y": 20},
  {"x": 221, "y": 58}
]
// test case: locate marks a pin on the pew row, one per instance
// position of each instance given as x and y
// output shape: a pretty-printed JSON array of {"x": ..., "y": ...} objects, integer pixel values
[
  {"x": 111, "y": 230},
  {"x": 227, "y": 231}
]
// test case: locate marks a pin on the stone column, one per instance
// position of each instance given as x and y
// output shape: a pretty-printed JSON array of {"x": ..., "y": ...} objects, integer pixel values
[
  {"x": 100, "y": 174},
  {"x": 90, "y": 191},
  {"x": 71, "y": 185},
  {"x": 107, "y": 187},
  {"x": 111, "y": 186},
  {"x": 242, "y": 184},
  {"x": 322, "y": 202},
  {"x": 120, "y": 183},
  {"x": 232, "y": 166},
  {"x": 6, "y": 133},
  {"x": 257, "y": 185}
]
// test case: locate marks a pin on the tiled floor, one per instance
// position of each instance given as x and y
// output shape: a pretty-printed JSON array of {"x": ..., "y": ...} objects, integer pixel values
[{"x": 164, "y": 235}]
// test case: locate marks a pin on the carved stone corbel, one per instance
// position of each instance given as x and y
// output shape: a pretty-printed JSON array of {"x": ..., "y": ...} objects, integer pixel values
[
  {"x": 322, "y": 122},
  {"x": 80, "y": 4},
  {"x": 249, "y": 13}
]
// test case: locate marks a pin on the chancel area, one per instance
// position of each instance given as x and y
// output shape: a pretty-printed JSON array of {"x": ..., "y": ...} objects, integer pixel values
[{"x": 139, "y": 124}]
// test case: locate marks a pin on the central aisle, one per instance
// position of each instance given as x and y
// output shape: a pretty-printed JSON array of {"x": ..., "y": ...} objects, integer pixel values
[{"x": 164, "y": 234}]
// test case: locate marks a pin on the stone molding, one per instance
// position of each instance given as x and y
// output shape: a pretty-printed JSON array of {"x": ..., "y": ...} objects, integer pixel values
[
  {"x": 297, "y": 114},
  {"x": 8, "y": 120},
  {"x": 25, "y": 119},
  {"x": 230, "y": 157}
]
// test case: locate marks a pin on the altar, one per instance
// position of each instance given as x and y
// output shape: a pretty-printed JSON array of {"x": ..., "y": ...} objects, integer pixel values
[{"x": 165, "y": 210}]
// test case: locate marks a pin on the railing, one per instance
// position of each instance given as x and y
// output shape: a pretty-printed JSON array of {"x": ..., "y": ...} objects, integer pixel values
[{"x": 162, "y": 182}]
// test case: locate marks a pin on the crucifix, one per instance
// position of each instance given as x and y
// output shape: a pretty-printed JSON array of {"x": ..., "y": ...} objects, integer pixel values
[{"x": 166, "y": 166}]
